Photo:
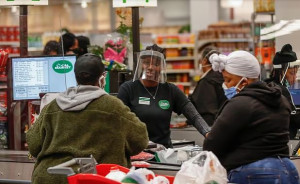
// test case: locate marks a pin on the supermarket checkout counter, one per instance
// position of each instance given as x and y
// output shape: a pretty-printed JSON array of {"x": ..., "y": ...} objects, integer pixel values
[
  {"x": 187, "y": 133},
  {"x": 16, "y": 167}
]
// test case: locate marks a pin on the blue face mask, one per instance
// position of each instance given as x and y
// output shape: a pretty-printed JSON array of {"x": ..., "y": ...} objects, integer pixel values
[{"x": 232, "y": 91}]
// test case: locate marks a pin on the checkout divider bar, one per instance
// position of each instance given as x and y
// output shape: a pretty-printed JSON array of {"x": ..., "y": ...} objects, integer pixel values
[{"x": 6, "y": 181}]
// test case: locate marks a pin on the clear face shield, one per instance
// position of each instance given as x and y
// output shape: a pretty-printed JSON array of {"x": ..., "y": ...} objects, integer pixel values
[
  {"x": 290, "y": 76},
  {"x": 151, "y": 66}
]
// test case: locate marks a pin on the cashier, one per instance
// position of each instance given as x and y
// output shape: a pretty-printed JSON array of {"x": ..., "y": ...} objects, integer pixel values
[
  {"x": 208, "y": 96},
  {"x": 153, "y": 99},
  {"x": 284, "y": 73},
  {"x": 251, "y": 132}
]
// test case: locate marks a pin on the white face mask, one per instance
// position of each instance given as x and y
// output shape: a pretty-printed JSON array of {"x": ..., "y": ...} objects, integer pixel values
[
  {"x": 102, "y": 81},
  {"x": 203, "y": 66}
]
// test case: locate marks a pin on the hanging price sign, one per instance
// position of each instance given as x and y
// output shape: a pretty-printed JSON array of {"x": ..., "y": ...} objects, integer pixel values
[
  {"x": 22, "y": 2},
  {"x": 134, "y": 3}
]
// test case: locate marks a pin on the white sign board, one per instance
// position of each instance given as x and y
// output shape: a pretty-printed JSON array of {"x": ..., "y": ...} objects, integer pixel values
[
  {"x": 134, "y": 3},
  {"x": 22, "y": 2}
]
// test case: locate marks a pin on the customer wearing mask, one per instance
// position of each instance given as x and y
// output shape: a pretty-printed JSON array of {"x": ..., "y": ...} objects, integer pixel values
[
  {"x": 153, "y": 99},
  {"x": 84, "y": 121},
  {"x": 284, "y": 73},
  {"x": 251, "y": 132},
  {"x": 208, "y": 95},
  {"x": 69, "y": 43}
]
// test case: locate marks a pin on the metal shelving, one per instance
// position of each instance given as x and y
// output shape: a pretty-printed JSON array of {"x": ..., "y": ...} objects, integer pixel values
[
  {"x": 187, "y": 45},
  {"x": 201, "y": 43},
  {"x": 12, "y": 43},
  {"x": 180, "y": 58},
  {"x": 179, "y": 70}
]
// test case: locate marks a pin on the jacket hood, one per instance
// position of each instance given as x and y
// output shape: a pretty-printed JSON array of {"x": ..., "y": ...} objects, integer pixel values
[
  {"x": 77, "y": 98},
  {"x": 269, "y": 94}
]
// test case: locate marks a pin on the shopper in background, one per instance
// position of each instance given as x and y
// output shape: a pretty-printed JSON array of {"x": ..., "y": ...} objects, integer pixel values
[
  {"x": 153, "y": 99},
  {"x": 83, "y": 43},
  {"x": 52, "y": 47},
  {"x": 250, "y": 134},
  {"x": 208, "y": 95},
  {"x": 69, "y": 43},
  {"x": 84, "y": 121},
  {"x": 284, "y": 73}
]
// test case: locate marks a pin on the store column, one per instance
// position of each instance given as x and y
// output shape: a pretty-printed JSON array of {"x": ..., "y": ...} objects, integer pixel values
[{"x": 203, "y": 13}]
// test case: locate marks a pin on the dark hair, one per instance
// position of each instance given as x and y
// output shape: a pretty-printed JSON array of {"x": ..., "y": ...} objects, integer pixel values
[
  {"x": 52, "y": 46},
  {"x": 68, "y": 40},
  {"x": 83, "y": 43},
  {"x": 208, "y": 51},
  {"x": 157, "y": 48},
  {"x": 86, "y": 79},
  {"x": 88, "y": 69}
]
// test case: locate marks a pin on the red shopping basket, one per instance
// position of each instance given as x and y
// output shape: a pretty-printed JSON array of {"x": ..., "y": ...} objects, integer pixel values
[
  {"x": 97, "y": 175},
  {"x": 104, "y": 169},
  {"x": 90, "y": 179}
]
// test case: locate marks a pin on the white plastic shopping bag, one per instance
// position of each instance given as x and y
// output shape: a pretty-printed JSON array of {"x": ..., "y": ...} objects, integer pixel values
[
  {"x": 167, "y": 156},
  {"x": 204, "y": 168}
]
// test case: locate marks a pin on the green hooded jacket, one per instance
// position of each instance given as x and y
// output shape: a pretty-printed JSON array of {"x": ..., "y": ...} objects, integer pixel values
[{"x": 81, "y": 122}]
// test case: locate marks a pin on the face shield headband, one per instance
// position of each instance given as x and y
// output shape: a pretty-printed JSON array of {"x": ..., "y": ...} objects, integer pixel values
[
  {"x": 294, "y": 65},
  {"x": 151, "y": 66}
]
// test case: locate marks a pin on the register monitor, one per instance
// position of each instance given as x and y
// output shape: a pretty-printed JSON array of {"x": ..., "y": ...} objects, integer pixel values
[
  {"x": 295, "y": 93},
  {"x": 41, "y": 74}
]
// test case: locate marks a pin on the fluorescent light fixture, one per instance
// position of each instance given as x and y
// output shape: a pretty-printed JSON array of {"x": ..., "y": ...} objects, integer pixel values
[
  {"x": 84, "y": 4},
  {"x": 231, "y": 3},
  {"x": 280, "y": 29},
  {"x": 274, "y": 27},
  {"x": 14, "y": 9}
]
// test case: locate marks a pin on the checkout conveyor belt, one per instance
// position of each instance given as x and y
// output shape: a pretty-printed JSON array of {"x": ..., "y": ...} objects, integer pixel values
[
  {"x": 15, "y": 167},
  {"x": 163, "y": 166}
]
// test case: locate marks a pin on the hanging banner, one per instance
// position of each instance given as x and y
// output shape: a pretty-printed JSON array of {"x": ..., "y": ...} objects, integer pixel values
[
  {"x": 134, "y": 3},
  {"x": 22, "y": 2}
]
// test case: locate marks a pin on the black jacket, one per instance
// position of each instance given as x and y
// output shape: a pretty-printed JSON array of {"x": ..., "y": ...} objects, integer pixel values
[
  {"x": 251, "y": 126},
  {"x": 295, "y": 117},
  {"x": 208, "y": 96}
]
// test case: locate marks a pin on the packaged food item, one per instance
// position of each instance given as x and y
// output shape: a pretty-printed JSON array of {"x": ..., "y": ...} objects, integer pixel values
[
  {"x": 142, "y": 156},
  {"x": 3, "y": 61},
  {"x": 140, "y": 164},
  {"x": 264, "y": 5}
]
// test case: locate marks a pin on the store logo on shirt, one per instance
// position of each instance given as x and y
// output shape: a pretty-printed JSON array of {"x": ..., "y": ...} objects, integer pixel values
[
  {"x": 144, "y": 100},
  {"x": 62, "y": 66},
  {"x": 164, "y": 104}
]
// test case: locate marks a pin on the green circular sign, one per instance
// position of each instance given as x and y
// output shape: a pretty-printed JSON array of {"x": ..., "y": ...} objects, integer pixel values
[
  {"x": 164, "y": 104},
  {"x": 62, "y": 66}
]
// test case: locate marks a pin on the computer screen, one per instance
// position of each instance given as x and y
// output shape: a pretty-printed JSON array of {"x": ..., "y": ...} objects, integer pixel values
[
  {"x": 41, "y": 74},
  {"x": 296, "y": 96}
]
